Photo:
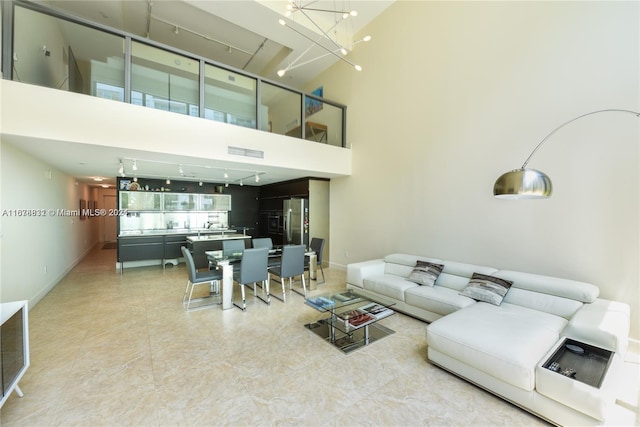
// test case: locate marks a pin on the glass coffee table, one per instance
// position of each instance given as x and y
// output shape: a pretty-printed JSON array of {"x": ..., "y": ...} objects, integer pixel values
[{"x": 352, "y": 319}]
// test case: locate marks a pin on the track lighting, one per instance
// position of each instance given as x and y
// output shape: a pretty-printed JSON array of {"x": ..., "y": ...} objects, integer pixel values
[
  {"x": 135, "y": 165},
  {"x": 226, "y": 175},
  {"x": 180, "y": 170},
  {"x": 257, "y": 177},
  {"x": 168, "y": 181},
  {"x": 121, "y": 169},
  {"x": 241, "y": 183},
  {"x": 200, "y": 183}
]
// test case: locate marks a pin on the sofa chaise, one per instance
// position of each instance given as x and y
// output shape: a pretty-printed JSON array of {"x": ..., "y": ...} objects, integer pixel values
[{"x": 502, "y": 330}]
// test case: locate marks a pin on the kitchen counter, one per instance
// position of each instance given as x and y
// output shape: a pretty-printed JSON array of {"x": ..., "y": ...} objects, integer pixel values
[
  {"x": 174, "y": 231},
  {"x": 209, "y": 237}
]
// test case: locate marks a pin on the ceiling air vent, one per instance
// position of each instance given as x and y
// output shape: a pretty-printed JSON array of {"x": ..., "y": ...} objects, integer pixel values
[{"x": 246, "y": 152}]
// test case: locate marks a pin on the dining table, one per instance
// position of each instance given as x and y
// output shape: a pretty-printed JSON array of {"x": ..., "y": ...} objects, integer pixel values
[{"x": 225, "y": 261}]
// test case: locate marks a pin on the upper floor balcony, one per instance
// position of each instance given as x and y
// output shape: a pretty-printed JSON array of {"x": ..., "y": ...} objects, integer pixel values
[{"x": 59, "y": 51}]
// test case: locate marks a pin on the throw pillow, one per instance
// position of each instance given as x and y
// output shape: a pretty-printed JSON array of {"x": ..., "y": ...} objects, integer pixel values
[
  {"x": 425, "y": 273},
  {"x": 486, "y": 288}
]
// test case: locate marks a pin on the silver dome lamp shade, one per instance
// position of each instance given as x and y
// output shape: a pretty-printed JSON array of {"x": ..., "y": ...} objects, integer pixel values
[
  {"x": 523, "y": 184},
  {"x": 526, "y": 183}
]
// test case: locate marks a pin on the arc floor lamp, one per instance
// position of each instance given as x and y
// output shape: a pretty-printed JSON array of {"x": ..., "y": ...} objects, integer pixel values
[{"x": 526, "y": 183}]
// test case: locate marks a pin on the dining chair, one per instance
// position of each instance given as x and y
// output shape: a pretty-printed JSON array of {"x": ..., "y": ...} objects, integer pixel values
[
  {"x": 266, "y": 242},
  {"x": 262, "y": 242},
  {"x": 292, "y": 265},
  {"x": 196, "y": 278},
  {"x": 233, "y": 245},
  {"x": 253, "y": 269},
  {"x": 317, "y": 246}
]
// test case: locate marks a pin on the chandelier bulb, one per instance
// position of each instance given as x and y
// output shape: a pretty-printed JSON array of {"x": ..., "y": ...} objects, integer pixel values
[
  {"x": 357, "y": 67},
  {"x": 353, "y": 13},
  {"x": 366, "y": 38},
  {"x": 282, "y": 22},
  {"x": 281, "y": 72},
  {"x": 343, "y": 51}
]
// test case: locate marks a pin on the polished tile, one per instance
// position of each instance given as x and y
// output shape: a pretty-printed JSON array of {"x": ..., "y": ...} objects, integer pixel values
[{"x": 118, "y": 350}]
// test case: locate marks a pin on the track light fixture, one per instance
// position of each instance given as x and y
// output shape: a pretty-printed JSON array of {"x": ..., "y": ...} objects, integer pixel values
[{"x": 192, "y": 172}]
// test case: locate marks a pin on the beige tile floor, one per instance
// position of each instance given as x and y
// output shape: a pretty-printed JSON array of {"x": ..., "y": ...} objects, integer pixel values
[{"x": 121, "y": 351}]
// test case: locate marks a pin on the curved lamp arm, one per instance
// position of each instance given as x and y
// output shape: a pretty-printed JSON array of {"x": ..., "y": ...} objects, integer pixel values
[{"x": 526, "y": 183}]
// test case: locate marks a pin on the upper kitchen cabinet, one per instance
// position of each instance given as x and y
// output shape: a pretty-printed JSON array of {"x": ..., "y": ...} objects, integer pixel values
[
  {"x": 140, "y": 201},
  {"x": 215, "y": 202},
  {"x": 180, "y": 201}
]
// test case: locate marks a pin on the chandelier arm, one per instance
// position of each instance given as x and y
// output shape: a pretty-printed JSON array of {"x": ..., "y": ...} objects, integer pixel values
[
  {"x": 315, "y": 43},
  {"x": 328, "y": 50},
  {"x": 637, "y": 114},
  {"x": 321, "y": 30}
]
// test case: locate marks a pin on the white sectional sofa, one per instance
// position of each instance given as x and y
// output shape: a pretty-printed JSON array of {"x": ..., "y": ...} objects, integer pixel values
[{"x": 506, "y": 348}]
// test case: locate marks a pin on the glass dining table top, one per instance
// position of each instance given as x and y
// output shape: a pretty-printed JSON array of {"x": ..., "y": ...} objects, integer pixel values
[{"x": 235, "y": 255}]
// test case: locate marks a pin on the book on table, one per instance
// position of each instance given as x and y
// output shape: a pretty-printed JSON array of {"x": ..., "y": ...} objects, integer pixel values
[
  {"x": 357, "y": 318},
  {"x": 345, "y": 296},
  {"x": 376, "y": 310},
  {"x": 321, "y": 303}
]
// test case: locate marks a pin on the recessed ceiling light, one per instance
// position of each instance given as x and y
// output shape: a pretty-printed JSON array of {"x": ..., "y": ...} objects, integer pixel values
[{"x": 97, "y": 178}]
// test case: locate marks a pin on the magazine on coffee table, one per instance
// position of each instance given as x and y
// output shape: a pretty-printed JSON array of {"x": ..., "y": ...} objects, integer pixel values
[
  {"x": 320, "y": 303},
  {"x": 357, "y": 318},
  {"x": 376, "y": 310}
]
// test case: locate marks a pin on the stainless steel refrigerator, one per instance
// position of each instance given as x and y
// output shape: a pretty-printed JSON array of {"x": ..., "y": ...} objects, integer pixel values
[{"x": 296, "y": 221}]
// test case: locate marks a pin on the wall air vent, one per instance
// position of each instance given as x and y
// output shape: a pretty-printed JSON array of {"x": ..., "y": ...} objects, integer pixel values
[{"x": 246, "y": 152}]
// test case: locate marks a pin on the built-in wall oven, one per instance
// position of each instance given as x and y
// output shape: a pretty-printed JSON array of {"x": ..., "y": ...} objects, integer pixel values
[{"x": 274, "y": 223}]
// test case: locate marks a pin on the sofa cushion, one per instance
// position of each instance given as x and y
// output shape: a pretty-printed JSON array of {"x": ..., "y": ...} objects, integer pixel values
[
  {"x": 505, "y": 341},
  {"x": 403, "y": 264},
  {"x": 456, "y": 275},
  {"x": 486, "y": 288},
  {"x": 436, "y": 299},
  {"x": 425, "y": 273},
  {"x": 388, "y": 285}
]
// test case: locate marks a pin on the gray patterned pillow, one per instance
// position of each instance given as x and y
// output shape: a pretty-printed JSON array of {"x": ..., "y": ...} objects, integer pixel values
[
  {"x": 425, "y": 273},
  {"x": 486, "y": 288}
]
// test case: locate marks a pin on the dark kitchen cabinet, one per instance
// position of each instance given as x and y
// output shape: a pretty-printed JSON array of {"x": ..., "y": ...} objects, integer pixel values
[
  {"x": 140, "y": 248},
  {"x": 173, "y": 246}
]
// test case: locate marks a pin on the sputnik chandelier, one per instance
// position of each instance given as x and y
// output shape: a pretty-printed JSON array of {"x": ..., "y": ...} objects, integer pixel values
[{"x": 327, "y": 37}]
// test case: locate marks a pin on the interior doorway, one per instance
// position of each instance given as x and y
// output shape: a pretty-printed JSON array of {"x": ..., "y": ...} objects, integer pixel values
[{"x": 109, "y": 226}]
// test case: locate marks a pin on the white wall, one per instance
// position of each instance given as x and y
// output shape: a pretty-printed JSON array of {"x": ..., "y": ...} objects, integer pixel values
[
  {"x": 455, "y": 93},
  {"x": 38, "y": 251}
]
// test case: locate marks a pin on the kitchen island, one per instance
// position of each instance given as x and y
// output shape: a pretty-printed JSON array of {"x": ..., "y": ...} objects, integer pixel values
[{"x": 137, "y": 248}]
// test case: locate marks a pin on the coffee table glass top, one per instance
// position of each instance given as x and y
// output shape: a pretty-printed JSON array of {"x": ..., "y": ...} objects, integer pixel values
[{"x": 351, "y": 299}]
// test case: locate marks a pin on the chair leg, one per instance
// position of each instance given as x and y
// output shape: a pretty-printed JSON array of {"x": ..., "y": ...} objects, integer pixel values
[
  {"x": 186, "y": 290},
  {"x": 243, "y": 307},
  {"x": 190, "y": 296},
  {"x": 304, "y": 286},
  {"x": 321, "y": 271}
]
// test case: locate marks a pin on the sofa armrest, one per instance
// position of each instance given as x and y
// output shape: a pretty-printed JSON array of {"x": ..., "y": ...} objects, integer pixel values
[
  {"x": 358, "y": 271},
  {"x": 602, "y": 323}
]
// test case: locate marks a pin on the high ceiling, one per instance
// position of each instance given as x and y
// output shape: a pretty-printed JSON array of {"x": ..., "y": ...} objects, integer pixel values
[{"x": 242, "y": 34}]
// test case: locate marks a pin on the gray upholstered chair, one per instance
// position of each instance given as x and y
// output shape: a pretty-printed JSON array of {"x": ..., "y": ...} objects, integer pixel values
[
  {"x": 262, "y": 242},
  {"x": 253, "y": 269},
  {"x": 316, "y": 245},
  {"x": 292, "y": 265},
  {"x": 211, "y": 278},
  {"x": 232, "y": 246},
  {"x": 266, "y": 242}
]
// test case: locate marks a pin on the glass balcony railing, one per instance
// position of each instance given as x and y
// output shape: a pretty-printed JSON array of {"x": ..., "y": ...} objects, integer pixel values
[{"x": 81, "y": 57}]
